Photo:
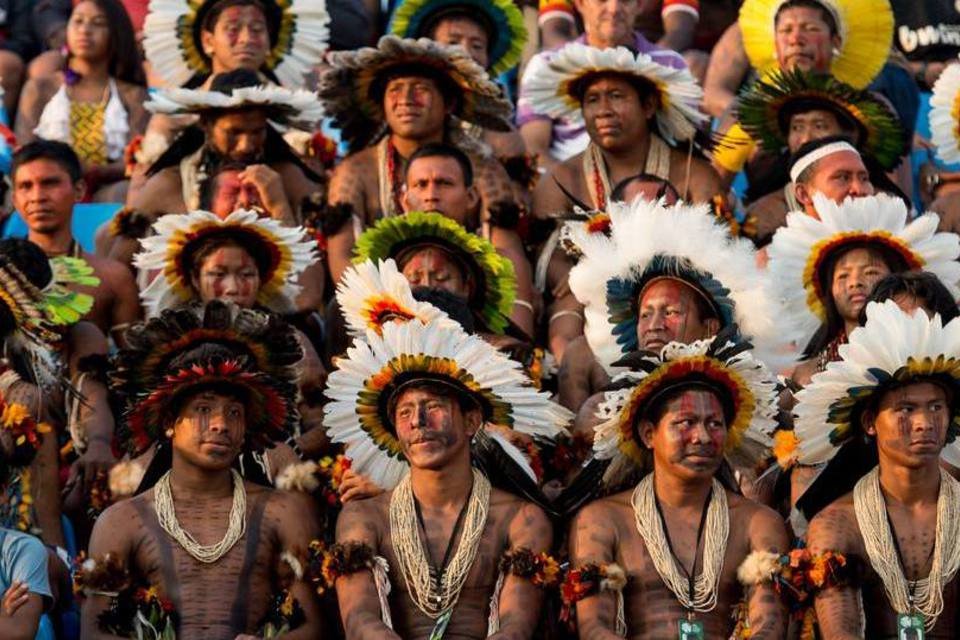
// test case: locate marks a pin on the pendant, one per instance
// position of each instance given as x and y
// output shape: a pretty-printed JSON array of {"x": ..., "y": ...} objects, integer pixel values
[
  {"x": 441, "y": 626},
  {"x": 689, "y": 629},
  {"x": 910, "y": 626}
]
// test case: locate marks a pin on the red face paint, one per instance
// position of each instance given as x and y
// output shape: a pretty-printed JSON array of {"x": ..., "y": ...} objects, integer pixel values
[
  {"x": 668, "y": 312},
  {"x": 229, "y": 273}
]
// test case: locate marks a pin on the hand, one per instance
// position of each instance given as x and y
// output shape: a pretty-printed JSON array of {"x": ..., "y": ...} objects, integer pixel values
[
  {"x": 354, "y": 486},
  {"x": 97, "y": 459},
  {"x": 269, "y": 188},
  {"x": 14, "y": 598}
]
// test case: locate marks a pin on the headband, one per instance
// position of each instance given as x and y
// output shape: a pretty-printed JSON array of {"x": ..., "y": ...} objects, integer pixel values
[{"x": 804, "y": 162}]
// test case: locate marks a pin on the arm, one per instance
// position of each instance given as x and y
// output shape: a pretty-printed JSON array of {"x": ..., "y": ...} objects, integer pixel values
[
  {"x": 838, "y": 608},
  {"x": 574, "y": 377},
  {"x": 297, "y": 527},
  {"x": 357, "y": 592},
  {"x": 32, "y": 101},
  {"x": 345, "y": 187},
  {"x": 111, "y": 534},
  {"x": 520, "y": 600},
  {"x": 537, "y": 135},
  {"x": 26, "y": 559},
  {"x": 765, "y": 610},
  {"x": 593, "y": 539},
  {"x": 508, "y": 244},
  {"x": 126, "y": 300},
  {"x": 548, "y": 199},
  {"x": 728, "y": 66},
  {"x": 704, "y": 182}
]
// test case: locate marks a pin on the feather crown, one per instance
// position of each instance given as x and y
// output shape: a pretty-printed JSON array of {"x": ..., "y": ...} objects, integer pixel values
[
  {"x": 284, "y": 106},
  {"x": 945, "y": 114}
]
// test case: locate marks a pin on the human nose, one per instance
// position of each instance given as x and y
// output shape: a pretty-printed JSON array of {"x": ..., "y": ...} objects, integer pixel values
[
  {"x": 230, "y": 284},
  {"x": 657, "y": 320},
  {"x": 700, "y": 433},
  {"x": 858, "y": 187}
]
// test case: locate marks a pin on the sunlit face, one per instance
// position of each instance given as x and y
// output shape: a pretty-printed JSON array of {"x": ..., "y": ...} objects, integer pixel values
[
  {"x": 615, "y": 116},
  {"x": 812, "y": 125},
  {"x": 209, "y": 430},
  {"x": 231, "y": 193},
  {"x": 414, "y": 107},
  {"x": 803, "y": 40},
  {"x": 88, "y": 32},
  {"x": 854, "y": 276},
  {"x": 228, "y": 273},
  {"x": 240, "y": 39},
  {"x": 910, "y": 425},
  {"x": 688, "y": 440},
  {"x": 668, "y": 312},
  {"x": 466, "y": 33},
  {"x": 436, "y": 183},
  {"x": 434, "y": 267},
  {"x": 608, "y": 22},
  {"x": 432, "y": 428},
  {"x": 44, "y": 194},
  {"x": 239, "y": 135},
  {"x": 838, "y": 176}
]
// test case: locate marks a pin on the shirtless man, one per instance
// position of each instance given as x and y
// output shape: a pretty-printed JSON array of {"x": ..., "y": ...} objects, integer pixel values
[
  {"x": 161, "y": 534},
  {"x": 662, "y": 528},
  {"x": 47, "y": 184},
  {"x": 891, "y": 521},
  {"x": 439, "y": 177},
  {"x": 430, "y": 418}
]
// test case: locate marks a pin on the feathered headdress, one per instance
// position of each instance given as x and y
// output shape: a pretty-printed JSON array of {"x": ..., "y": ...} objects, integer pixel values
[
  {"x": 284, "y": 106},
  {"x": 893, "y": 348},
  {"x": 800, "y": 250},
  {"x": 865, "y": 28},
  {"x": 649, "y": 241},
  {"x": 41, "y": 315},
  {"x": 374, "y": 370},
  {"x": 172, "y": 249},
  {"x": 209, "y": 345},
  {"x": 764, "y": 111},
  {"x": 370, "y": 294},
  {"x": 722, "y": 364},
  {"x": 351, "y": 89},
  {"x": 502, "y": 20},
  {"x": 557, "y": 90},
  {"x": 298, "y": 39},
  {"x": 945, "y": 114},
  {"x": 495, "y": 284}
]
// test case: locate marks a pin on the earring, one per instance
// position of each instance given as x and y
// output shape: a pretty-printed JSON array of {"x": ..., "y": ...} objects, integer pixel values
[{"x": 168, "y": 433}]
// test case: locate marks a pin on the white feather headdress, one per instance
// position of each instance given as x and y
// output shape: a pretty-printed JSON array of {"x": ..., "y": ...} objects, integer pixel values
[
  {"x": 554, "y": 89},
  {"x": 372, "y": 370},
  {"x": 373, "y": 293},
  {"x": 285, "y": 106},
  {"x": 723, "y": 363},
  {"x": 649, "y": 240},
  {"x": 945, "y": 114},
  {"x": 178, "y": 234},
  {"x": 892, "y": 348},
  {"x": 172, "y": 39},
  {"x": 799, "y": 250}
]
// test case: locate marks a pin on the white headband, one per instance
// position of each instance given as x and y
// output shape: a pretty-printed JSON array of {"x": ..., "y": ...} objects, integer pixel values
[{"x": 820, "y": 152}]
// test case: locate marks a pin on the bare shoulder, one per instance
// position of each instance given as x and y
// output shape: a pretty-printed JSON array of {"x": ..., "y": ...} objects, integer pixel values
[
  {"x": 115, "y": 528},
  {"x": 107, "y": 268},
  {"x": 357, "y": 160},
  {"x": 158, "y": 192},
  {"x": 579, "y": 356},
  {"x": 131, "y": 93},
  {"x": 364, "y": 520},
  {"x": 505, "y": 144},
  {"x": 605, "y": 510},
  {"x": 835, "y": 527},
  {"x": 44, "y": 86},
  {"x": 758, "y": 518}
]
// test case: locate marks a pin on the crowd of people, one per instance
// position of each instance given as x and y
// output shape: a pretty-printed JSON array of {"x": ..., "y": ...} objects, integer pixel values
[{"x": 472, "y": 318}]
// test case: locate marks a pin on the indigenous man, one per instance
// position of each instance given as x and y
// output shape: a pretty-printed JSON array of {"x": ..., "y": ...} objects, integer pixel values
[
  {"x": 209, "y": 544},
  {"x": 450, "y": 575},
  {"x": 665, "y": 559},
  {"x": 47, "y": 183},
  {"x": 439, "y": 177},
  {"x": 665, "y": 274},
  {"x": 789, "y": 109},
  {"x": 413, "y": 92},
  {"x": 635, "y": 111},
  {"x": 826, "y": 266},
  {"x": 45, "y": 346},
  {"x": 491, "y": 31},
  {"x": 891, "y": 401},
  {"x": 554, "y": 137}
]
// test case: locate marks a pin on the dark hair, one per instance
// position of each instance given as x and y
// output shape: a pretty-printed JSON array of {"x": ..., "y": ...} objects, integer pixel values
[
  {"x": 834, "y": 324},
  {"x": 227, "y": 81},
  {"x": 30, "y": 260},
  {"x": 429, "y": 26},
  {"x": 665, "y": 186},
  {"x": 440, "y": 150},
  {"x": 124, "y": 61},
  {"x": 464, "y": 400},
  {"x": 810, "y": 146},
  {"x": 209, "y": 21},
  {"x": 809, "y": 4},
  {"x": 921, "y": 285},
  {"x": 644, "y": 88},
  {"x": 450, "y": 303},
  {"x": 849, "y": 126},
  {"x": 220, "y": 240},
  {"x": 452, "y": 95},
  {"x": 52, "y": 150},
  {"x": 657, "y": 406}
]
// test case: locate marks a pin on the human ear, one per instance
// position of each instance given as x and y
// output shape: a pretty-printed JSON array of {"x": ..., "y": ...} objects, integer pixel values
[
  {"x": 803, "y": 194},
  {"x": 868, "y": 423},
  {"x": 646, "y": 428}
]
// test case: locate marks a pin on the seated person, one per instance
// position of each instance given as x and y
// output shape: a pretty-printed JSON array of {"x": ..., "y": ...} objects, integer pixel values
[
  {"x": 96, "y": 104},
  {"x": 25, "y": 592}
]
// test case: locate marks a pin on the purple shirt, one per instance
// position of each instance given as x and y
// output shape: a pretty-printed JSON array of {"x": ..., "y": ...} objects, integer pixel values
[{"x": 570, "y": 138}]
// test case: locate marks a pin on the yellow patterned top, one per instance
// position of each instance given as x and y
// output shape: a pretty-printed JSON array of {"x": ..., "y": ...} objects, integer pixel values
[{"x": 86, "y": 131}]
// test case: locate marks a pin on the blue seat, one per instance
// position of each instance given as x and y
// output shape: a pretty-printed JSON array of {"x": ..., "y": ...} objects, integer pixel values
[{"x": 87, "y": 218}]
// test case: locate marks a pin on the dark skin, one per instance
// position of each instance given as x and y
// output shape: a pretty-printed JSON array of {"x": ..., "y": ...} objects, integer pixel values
[
  {"x": 226, "y": 599},
  {"x": 434, "y": 434},
  {"x": 909, "y": 427},
  {"x": 687, "y": 442}
]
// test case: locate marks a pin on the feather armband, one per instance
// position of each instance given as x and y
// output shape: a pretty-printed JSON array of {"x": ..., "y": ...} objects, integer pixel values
[
  {"x": 541, "y": 569},
  {"x": 799, "y": 575}
]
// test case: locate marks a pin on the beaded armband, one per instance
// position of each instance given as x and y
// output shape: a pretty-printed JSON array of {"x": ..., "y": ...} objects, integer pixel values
[{"x": 541, "y": 569}]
